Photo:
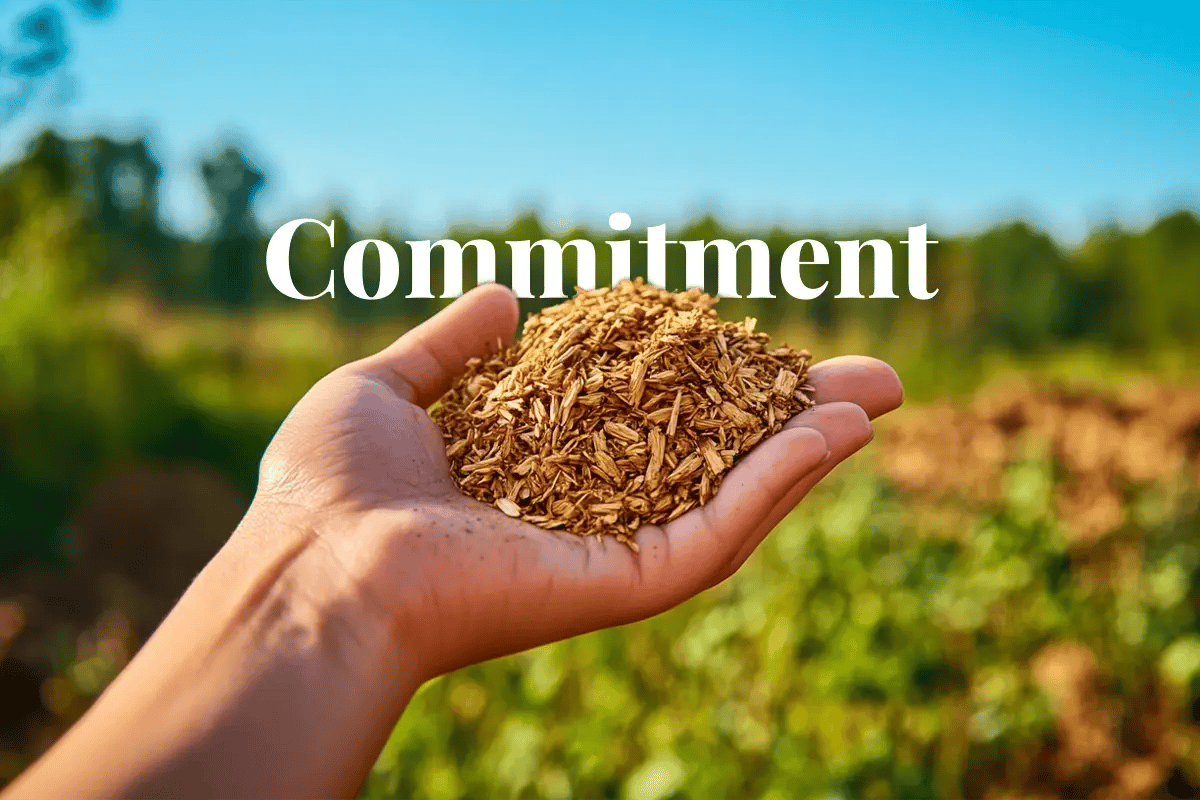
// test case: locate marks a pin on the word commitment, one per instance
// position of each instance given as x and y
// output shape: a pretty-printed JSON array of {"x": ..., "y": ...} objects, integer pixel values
[{"x": 803, "y": 253}]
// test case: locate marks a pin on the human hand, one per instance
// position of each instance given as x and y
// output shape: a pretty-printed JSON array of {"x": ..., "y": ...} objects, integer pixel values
[
  {"x": 360, "y": 571},
  {"x": 361, "y": 467}
]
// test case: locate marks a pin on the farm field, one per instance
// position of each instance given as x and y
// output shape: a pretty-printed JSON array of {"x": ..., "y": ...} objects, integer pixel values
[{"x": 999, "y": 598}]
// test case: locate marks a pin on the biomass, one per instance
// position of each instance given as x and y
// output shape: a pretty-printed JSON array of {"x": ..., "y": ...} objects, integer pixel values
[{"x": 618, "y": 408}]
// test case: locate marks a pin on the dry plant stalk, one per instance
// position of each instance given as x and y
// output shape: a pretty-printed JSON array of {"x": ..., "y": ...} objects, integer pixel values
[{"x": 618, "y": 408}]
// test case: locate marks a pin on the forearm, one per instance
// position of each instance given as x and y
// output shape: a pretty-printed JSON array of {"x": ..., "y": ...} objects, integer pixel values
[{"x": 271, "y": 677}]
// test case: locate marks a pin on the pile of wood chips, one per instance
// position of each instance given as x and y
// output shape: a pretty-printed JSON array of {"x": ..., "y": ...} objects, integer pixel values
[{"x": 618, "y": 408}]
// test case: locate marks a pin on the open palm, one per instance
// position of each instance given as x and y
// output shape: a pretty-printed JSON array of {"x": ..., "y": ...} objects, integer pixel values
[{"x": 362, "y": 458}]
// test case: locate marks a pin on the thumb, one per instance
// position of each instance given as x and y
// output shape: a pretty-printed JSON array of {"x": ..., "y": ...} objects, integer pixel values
[{"x": 421, "y": 364}]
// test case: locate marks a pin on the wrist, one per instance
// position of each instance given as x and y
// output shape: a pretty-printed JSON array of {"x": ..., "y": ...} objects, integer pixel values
[
  {"x": 309, "y": 651},
  {"x": 308, "y": 588},
  {"x": 272, "y": 656}
]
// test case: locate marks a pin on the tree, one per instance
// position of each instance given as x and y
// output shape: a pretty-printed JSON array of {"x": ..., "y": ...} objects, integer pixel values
[{"x": 232, "y": 184}]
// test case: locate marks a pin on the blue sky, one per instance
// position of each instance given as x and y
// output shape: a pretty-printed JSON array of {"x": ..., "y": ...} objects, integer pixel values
[{"x": 833, "y": 114}]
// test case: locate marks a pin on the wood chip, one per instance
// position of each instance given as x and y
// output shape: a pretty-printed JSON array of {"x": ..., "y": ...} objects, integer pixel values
[
  {"x": 622, "y": 431},
  {"x": 619, "y": 408},
  {"x": 673, "y": 424},
  {"x": 785, "y": 382},
  {"x": 713, "y": 458},
  {"x": 508, "y": 507}
]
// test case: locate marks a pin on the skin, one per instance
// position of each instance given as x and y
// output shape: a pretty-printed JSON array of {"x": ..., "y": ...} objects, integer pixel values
[{"x": 360, "y": 572}]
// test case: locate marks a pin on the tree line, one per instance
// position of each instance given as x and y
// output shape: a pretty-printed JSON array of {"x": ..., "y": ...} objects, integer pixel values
[{"x": 1012, "y": 286}]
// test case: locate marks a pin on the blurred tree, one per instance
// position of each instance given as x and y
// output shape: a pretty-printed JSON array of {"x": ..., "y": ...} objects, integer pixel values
[
  {"x": 1097, "y": 306},
  {"x": 1020, "y": 278},
  {"x": 1167, "y": 276},
  {"x": 126, "y": 177},
  {"x": 232, "y": 183},
  {"x": 40, "y": 52}
]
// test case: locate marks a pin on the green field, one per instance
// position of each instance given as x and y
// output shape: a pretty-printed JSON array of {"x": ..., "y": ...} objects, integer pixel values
[{"x": 999, "y": 598}]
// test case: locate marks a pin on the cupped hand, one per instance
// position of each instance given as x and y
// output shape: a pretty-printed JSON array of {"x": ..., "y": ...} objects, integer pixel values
[{"x": 362, "y": 464}]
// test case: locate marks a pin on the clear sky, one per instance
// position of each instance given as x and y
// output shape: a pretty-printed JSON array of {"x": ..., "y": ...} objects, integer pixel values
[{"x": 958, "y": 114}]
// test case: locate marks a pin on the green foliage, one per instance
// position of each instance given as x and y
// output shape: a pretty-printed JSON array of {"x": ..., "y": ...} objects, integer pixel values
[{"x": 855, "y": 655}]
